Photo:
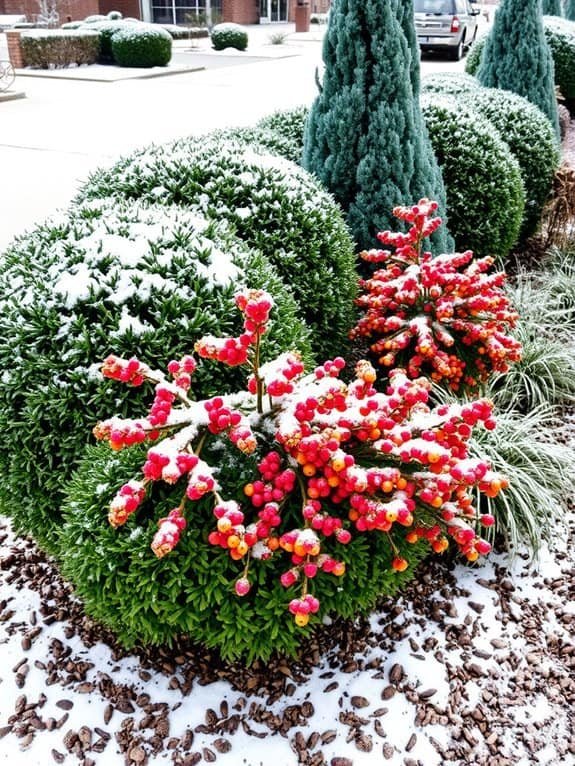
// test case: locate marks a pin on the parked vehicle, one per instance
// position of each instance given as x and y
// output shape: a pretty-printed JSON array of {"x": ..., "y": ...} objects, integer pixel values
[{"x": 446, "y": 25}]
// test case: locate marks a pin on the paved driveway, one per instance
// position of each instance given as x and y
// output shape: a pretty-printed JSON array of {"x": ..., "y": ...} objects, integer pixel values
[{"x": 50, "y": 140}]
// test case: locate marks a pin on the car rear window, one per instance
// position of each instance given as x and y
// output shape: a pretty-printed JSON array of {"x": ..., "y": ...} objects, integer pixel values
[{"x": 434, "y": 6}]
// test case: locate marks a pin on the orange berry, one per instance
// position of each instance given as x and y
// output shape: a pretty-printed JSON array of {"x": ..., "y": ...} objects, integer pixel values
[
  {"x": 273, "y": 543},
  {"x": 399, "y": 564},
  {"x": 339, "y": 569},
  {"x": 412, "y": 537},
  {"x": 309, "y": 469},
  {"x": 249, "y": 490},
  {"x": 233, "y": 541},
  {"x": 242, "y": 548}
]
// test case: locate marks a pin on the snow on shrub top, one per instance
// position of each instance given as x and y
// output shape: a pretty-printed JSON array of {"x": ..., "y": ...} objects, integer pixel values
[
  {"x": 272, "y": 204},
  {"x": 108, "y": 275}
]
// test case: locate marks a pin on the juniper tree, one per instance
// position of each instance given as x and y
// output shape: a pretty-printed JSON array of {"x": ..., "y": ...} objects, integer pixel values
[
  {"x": 517, "y": 57},
  {"x": 364, "y": 136},
  {"x": 551, "y": 8},
  {"x": 570, "y": 10}
]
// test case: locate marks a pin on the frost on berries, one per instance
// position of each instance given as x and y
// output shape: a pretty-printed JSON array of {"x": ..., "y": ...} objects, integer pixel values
[
  {"x": 355, "y": 460},
  {"x": 446, "y": 317}
]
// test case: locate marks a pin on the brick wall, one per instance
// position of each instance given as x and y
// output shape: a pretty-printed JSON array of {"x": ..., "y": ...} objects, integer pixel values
[
  {"x": 129, "y": 8},
  {"x": 241, "y": 11},
  {"x": 76, "y": 9},
  {"x": 14, "y": 50}
]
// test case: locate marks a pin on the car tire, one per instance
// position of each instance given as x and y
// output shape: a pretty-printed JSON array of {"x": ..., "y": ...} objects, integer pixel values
[{"x": 457, "y": 52}]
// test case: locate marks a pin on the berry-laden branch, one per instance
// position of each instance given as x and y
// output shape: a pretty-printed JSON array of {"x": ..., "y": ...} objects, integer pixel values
[
  {"x": 360, "y": 460},
  {"x": 445, "y": 317}
]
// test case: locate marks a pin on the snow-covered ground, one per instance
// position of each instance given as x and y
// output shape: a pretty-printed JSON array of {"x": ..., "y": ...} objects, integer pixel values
[{"x": 469, "y": 666}]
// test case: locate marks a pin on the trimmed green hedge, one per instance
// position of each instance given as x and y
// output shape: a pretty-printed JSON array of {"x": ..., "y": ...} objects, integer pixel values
[
  {"x": 58, "y": 48},
  {"x": 109, "y": 277},
  {"x": 141, "y": 45},
  {"x": 229, "y": 36},
  {"x": 272, "y": 204}
]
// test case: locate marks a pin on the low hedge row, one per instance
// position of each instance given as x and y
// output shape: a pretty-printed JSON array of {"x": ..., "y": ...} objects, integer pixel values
[{"x": 56, "y": 48}]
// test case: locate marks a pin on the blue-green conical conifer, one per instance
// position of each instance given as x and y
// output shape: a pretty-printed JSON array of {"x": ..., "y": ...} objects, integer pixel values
[
  {"x": 551, "y": 8},
  {"x": 517, "y": 57},
  {"x": 570, "y": 10},
  {"x": 362, "y": 137}
]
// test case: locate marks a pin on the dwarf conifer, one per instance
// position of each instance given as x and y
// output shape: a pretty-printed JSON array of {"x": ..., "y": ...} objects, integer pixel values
[
  {"x": 364, "y": 136},
  {"x": 551, "y": 8},
  {"x": 570, "y": 10},
  {"x": 517, "y": 57}
]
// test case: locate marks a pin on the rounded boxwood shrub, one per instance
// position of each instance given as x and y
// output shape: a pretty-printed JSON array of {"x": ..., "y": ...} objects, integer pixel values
[
  {"x": 272, "y": 204},
  {"x": 532, "y": 141},
  {"x": 289, "y": 124},
  {"x": 109, "y": 277},
  {"x": 453, "y": 83},
  {"x": 229, "y": 36},
  {"x": 149, "y": 601},
  {"x": 485, "y": 195},
  {"x": 473, "y": 59},
  {"x": 141, "y": 45},
  {"x": 107, "y": 29},
  {"x": 114, "y": 15}
]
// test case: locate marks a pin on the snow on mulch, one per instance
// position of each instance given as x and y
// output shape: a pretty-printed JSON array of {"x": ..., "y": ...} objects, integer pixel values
[{"x": 470, "y": 665}]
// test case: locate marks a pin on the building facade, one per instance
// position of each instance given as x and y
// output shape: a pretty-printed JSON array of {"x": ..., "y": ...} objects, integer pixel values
[{"x": 186, "y": 12}]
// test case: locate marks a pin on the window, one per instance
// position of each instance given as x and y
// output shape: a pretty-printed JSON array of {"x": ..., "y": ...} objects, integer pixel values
[
  {"x": 434, "y": 7},
  {"x": 191, "y": 13}
]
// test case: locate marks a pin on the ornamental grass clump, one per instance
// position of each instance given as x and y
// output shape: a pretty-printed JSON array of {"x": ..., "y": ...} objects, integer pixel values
[
  {"x": 107, "y": 275},
  {"x": 348, "y": 486},
  {"x": 445, "y": 317}
]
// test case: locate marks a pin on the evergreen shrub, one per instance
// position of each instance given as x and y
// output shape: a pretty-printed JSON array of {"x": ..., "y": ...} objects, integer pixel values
[
  {"x": 107, "y": 29},
  {"x": 141, "y": 45},
  {"x": 58, "y": 48},
  {"x": 145, "y": 600},
  {"x": 311, "y": 507},
  {"x": 560, "y": 34},
  {"x": 485, "y": 195},
  {"x": 531, "y": 140},
  {"x": 272, "y": 204},
  {"x": 107, "y": 276},
  {"x": 570, "y": 10},
  {"x": 518, "y": 58},
  {"x": 365, "y": 138},
  {"x": 551, "y": 8},
  {"x": 229, "y": 36}
]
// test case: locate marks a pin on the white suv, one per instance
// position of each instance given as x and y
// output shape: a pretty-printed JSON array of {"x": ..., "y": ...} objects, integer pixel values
[{"x": 448, "y": 25}]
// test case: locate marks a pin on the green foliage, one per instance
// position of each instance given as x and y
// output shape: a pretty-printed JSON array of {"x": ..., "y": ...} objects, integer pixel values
[
  {"x": 517, "y": 57},
  {"x": 107, "y": 29},
  {"x": 531, "y": 139},
  {"x": 551, "y": 8},
  {"x": 288, "y": 125},
  {"x": 114, "y": 15},
  {"x": 109, "y": 277},
  {"x": 141, "y": 45},
  {"x": 272, "y": 204},
  {"x": 149, "y": 601},
  {"x": 485, "y": 196},
  {"x": 454, "y": 83},
  {"x": 473, "y": 59},
  {"x": 58, "y": 48},
  {"x": 229, "y": 36},
  {"x": 540, "y": 473},
  {"x": 570, "y": 10},
  {"x": 560, "y": 34},
  {"x": 364, "y": 137}
]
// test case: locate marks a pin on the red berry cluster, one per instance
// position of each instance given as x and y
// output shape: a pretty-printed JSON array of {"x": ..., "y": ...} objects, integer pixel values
[
  {"x": 444, "y": 316},
  {"x": 168, "y": 534},
  {"x": 129, "y": 371},
  {"x": 126, "y": 501},
  {"x": 362, "y": 460},
  {"x": 223, "y": 418}
]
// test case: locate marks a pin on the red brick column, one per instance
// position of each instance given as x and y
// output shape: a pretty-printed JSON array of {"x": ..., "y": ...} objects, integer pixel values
[{"x": 14, "y": 49}]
